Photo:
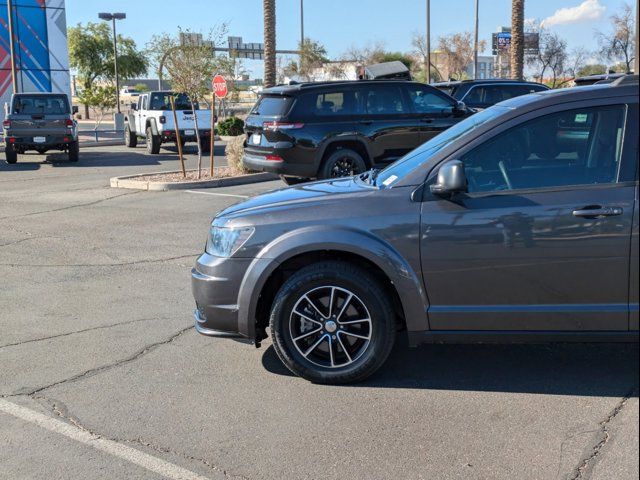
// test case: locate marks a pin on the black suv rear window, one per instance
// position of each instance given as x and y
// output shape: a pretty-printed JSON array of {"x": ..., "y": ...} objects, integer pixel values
[
  {"x": 40, "y": 105},
  {"x": 272, "y": 106}
]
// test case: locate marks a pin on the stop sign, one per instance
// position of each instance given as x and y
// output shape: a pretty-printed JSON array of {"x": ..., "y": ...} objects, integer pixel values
[{"x": 219, "y": 86}]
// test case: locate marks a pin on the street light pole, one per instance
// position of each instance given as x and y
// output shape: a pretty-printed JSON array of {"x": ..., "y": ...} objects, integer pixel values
[
  {"x": 112, "y": 17},
  {"x": 12, "y": 52},
  {"x": 475, "y": 44},
  {"x": 428, "y": 43},
  {"x": 115, "y": 62},
  {"x": 301, "y": 23}
]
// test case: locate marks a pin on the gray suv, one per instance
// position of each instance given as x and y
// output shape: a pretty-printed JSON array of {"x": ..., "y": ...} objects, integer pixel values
[
  {"x": 519, "y": 223},
  {"x": 39, "y": 122}
]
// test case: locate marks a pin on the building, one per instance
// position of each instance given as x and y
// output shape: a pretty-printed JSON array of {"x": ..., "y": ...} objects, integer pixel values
[{"x": 42, "y": 57}]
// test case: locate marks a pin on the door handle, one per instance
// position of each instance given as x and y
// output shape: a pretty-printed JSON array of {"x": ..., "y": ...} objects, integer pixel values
[
  {"x": 365, "y": 122},
  {"x": 598, "y": 212},
  {"x": 426, "y": 120}
]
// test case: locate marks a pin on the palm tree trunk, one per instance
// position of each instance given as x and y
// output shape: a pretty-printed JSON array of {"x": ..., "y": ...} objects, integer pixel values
[
  {"x": 517, "y": 39},
  {"x": 269, "y": 7}
]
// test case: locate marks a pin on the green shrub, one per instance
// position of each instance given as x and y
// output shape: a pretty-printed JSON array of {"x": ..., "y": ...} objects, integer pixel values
[{"x": 231, "y": 126}]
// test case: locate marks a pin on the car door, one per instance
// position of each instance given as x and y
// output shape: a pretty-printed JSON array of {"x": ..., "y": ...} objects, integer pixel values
[
  {"x": 541, "y": 241},
  {"x": 143, "y": 104},
  {"x": 433, "y": 111},
  {"x": 387, "y": 122}
]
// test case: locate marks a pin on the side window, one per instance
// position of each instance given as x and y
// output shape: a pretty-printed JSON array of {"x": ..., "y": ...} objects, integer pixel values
[
  {"x": 478, "y": 96},
  {"x": 145, "y": 102},
  {"x": 384, "y": 100},
  {"x": 424, "y": 100},
  {"x": 327, "y": 104},
  {"x": 574, "y": 147}
]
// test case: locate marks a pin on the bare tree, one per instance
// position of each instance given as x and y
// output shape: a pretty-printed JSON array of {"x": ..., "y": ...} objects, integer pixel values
[
  {"x": 456, "y": 54},
  {"x": 269, "y": 7},
  {"x": 619, "y": 44},
  {"x": 552, "y": 58},
  {"x": 191, "y": 67},
  {"x": 419, "y": 44},
  {"x": 516, "y": 52},
  {"x": 370, "y": 53}
]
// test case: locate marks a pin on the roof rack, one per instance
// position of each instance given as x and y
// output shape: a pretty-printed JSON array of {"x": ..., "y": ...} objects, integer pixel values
[{"x": 626, "y": 80}]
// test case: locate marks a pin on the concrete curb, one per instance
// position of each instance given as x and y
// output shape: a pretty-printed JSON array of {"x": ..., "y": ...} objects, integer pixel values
[{"x": 129, "y": 182}]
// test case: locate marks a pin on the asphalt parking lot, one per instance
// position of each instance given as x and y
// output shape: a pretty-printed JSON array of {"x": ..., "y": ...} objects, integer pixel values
[{"x": 102, "y": 375}]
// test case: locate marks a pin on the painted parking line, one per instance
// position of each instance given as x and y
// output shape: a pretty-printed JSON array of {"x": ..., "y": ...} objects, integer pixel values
[
  {"x": 217, "y": 194},
  {"x": 149, "y": 462}
]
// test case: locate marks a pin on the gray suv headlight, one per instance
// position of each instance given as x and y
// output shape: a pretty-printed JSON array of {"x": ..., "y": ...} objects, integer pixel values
[{"x": 224, "y": 242}]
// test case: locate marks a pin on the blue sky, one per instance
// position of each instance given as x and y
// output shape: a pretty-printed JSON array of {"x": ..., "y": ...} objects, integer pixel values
[{"x": 339, "y": 24}]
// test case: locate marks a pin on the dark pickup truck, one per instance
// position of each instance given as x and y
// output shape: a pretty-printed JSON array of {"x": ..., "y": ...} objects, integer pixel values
[{"x": 39, "y": 122}]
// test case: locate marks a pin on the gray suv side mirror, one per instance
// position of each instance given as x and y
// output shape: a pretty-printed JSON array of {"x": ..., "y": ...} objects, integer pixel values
[
  {"x": 74, "y": 109},
  {"x": 451, "y": 179}
]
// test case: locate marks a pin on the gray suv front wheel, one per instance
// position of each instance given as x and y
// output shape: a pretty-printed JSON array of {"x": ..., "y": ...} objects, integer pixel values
[{"x": 332, "y": 322}]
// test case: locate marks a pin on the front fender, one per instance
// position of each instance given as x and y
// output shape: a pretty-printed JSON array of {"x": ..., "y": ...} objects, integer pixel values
[{"x": 322, "y": 238}]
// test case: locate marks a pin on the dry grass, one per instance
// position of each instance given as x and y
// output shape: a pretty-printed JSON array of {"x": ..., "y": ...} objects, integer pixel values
[{"x": 234, "y": 151}]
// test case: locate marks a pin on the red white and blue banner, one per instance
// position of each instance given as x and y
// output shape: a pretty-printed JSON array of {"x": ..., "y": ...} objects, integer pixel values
[{"x": 40, "y": 44}]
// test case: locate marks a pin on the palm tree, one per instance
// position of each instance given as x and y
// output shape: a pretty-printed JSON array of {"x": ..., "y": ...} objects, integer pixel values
[
  {"x": 269, "y": 8},
  {"x": 517, "y": 39}
]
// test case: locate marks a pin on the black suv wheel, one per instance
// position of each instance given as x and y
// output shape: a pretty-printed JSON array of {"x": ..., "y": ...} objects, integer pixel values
[
  {"x": 342, "y": 163},
  {"x": 10, "y": 153},
  {"x": 332, "y": 323}
]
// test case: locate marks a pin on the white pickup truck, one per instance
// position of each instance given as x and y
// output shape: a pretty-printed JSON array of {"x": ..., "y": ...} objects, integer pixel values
[{"x": 151, "y": 118}]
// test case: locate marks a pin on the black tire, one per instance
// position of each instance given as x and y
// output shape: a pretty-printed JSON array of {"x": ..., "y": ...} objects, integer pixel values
[
  {"x": 153, "y": 142},
  {"x": 293, "y": 180},
  {"x": 205, "y": 144},
  {"x": 10, "y": 154},
  {"x": 342, "y": 163},
  {"x": 130, "y": 139},
  {"x": 356, "y": 361},
  {"x": 74, "y": 151}
]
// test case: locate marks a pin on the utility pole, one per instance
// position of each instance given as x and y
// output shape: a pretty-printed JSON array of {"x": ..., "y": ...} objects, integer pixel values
[
  {"x": 475, "y": 44},
  {"x": 428, "y": 43},
  {"x": 12, "y": 51},
  {"x": 301, "y": 23}
]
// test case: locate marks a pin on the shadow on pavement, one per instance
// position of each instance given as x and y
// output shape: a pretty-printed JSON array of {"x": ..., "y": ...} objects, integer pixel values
[
  {"x": 558, "y": 369},
  {"x": 19, "y": 167},
  {"x": 92, "y": 158}
]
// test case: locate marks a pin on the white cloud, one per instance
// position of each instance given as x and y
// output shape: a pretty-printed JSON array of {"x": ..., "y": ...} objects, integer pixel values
[{"x": 588, "y": 10}]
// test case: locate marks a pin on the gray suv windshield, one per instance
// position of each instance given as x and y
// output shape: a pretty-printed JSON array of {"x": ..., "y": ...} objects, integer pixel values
[
  {"x": 417, "y": 157},
  {"x": 40, "y": 105}
]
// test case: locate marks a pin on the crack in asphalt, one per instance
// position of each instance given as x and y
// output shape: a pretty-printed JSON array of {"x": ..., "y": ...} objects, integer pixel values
[
  {"x": 584, "y": 468},
  {"x": 96, "y": 370},
  {"x": 115, "y": 264},
  {"x": 100, "y": 327},
  {"x": 78, "y": 205},
  {"x": 25, "y": 240},
  {"x": 62, "y": 411}
]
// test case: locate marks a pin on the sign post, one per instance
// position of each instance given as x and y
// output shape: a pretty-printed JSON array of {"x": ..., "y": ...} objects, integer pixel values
[{"x": 220, "y": 90}]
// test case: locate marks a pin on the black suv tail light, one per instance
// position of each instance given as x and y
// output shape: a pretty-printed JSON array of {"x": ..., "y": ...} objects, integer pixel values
[
  {"x": 6, "y": 124},
  {"x": 273, "y": 126}
]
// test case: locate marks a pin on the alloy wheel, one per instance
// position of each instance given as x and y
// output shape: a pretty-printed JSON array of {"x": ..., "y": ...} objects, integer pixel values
[
  {"x": 344, "y": 167},
  {"x": 330, "y": 326}
]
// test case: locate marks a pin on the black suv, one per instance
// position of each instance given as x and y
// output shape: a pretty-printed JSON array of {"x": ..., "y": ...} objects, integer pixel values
[
  {"x": 481, "y": 94},
  {"x": 336, "y": 129}
]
